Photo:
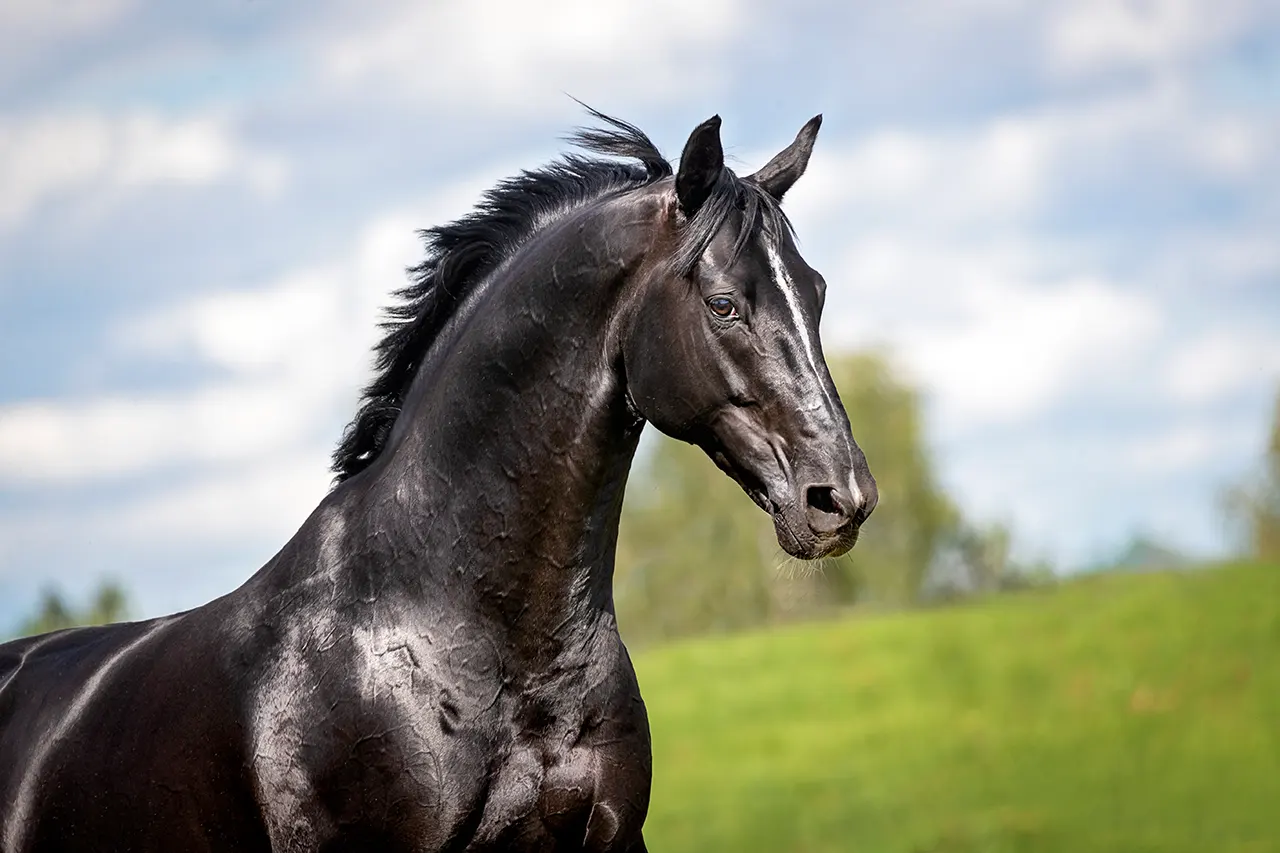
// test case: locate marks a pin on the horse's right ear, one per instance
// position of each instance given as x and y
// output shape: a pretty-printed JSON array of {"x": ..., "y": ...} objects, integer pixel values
[
  {"x": 781, "y": 173},
  {"x": 701, "y": 163}
]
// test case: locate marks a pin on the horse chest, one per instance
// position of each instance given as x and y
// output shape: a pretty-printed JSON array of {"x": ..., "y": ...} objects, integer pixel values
[
  {"x": 565, "y": 798},
  {"x": 560, "y": 766},
  {"x": 575, "y": 768}
]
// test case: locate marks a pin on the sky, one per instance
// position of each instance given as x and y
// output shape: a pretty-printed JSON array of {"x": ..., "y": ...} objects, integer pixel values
[{"x": 1060, "y": 219}]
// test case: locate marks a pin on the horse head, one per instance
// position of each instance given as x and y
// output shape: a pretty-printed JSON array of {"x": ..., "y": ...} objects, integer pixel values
[{"x": 723, "y": 349}]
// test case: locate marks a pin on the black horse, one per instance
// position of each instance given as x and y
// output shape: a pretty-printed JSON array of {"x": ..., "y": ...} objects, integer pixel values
[{"x": 432, "y": 663}]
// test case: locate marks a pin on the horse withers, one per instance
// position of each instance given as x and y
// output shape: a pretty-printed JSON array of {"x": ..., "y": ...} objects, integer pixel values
[{"x": 432, "y": 662}]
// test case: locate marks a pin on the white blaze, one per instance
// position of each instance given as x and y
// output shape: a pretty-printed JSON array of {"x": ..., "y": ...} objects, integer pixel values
[{"x": 788, "y": 288}]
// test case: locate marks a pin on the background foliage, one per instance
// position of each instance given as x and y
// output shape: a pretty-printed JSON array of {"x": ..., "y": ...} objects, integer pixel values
[
  {"x": 1254, "y": 505},
  {"x": 108, "y": 604}
]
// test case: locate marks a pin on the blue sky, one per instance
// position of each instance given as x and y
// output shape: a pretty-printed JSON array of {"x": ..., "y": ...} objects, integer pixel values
[{"x": 1059, "y": 218}]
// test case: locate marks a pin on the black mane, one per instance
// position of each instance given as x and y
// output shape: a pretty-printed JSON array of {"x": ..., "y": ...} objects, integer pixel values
[{"x": 464, "y": 253}]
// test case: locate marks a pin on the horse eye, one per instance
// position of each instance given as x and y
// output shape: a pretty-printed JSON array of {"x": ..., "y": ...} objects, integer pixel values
[{"x": 722, "y": 308}]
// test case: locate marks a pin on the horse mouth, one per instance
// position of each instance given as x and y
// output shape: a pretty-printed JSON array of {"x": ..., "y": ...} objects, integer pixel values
[
  {"x": 804, "y": 545},
  {"x": 841, "y": 545},
  {"x": 812, "y": 547},
  {"x": 792, "y": 531}
]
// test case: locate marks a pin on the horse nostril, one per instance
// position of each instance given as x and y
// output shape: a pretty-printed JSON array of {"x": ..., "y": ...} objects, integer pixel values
[{"x": 827, "y": 500}]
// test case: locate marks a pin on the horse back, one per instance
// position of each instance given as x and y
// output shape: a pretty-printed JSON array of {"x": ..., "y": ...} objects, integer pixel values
[{"x": 121, "y": 737}]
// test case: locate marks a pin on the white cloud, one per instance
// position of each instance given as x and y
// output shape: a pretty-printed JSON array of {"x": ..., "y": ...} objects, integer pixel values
[
  {"x": 288, "y": 357},
  {"x": 994, "y": 339},
  {"x": 1231, "y": 147},
  {"x": 293, "y": 351},
  {"x": 309, "y": 326},
  {"x": 23, "y": 20},
  {"x": 995, "y": 173},
  {"x": 1013, "y": 167},
  {"x": 32, "y": 29},
  {"x": 48, "y": 156},
  {"x": 161, "y": 541},
  {"x": 1222, "y": 362},
  {"x": 517, "y": 55},
  {"x": 284, "y": 356},
  {"x": 1183, "y": 447},
  {"x": 1013, "y": 349},
  {"x": 1090, "y": 36},
  {"x": 60, "y": 442},
  {"x": 265, "y": 501},
  {"x": 1224, "y": 260},
  {"x": 252, "y": 331}
]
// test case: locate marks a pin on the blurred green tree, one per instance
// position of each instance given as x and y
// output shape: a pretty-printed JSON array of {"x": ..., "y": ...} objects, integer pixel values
[
  {"x": 109, "y": 604},
  {"x": 974, "y": 559},
  {"x": 1254, "y": 506},
  {"x": 694, "y": 553}
]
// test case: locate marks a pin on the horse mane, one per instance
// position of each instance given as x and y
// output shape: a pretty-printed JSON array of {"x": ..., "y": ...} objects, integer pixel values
[{"x": 462, "y": 254}]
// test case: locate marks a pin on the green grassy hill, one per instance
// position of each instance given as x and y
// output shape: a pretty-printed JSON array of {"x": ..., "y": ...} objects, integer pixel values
[{"x": 1116, "y": 713}]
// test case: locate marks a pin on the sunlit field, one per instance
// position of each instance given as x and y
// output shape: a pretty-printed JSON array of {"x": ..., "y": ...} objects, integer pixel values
[{"x": 1115, "y": 713}]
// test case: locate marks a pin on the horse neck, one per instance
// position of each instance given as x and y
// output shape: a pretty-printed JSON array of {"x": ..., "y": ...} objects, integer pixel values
[{"x": 502, "y": 487}]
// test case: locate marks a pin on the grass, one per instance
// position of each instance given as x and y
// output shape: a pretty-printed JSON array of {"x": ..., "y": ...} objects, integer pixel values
[{"x": 1116, "y": 713}]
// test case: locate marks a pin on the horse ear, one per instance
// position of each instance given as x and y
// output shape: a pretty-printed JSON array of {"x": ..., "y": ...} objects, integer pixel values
[
  {"x": 701, "y": 163},
  {"x": 780, "y": 173}
]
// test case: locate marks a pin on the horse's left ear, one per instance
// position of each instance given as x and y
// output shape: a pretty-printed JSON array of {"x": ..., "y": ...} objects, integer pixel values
[
  {"x": 780, "y": 173},
  {"x": 700, "y": 166}
]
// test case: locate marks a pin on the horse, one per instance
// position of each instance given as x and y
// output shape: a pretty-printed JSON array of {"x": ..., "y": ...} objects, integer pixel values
[{"x": 432, "y": 662}]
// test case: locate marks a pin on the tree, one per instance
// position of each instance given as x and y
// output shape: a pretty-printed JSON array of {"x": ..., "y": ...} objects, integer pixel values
[
  {"x": 109, "y": 604},
  {"x": 974, "y": 559},
  {"x": 1254, "y": 505},
  {"x": 694, "y": 553}
]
